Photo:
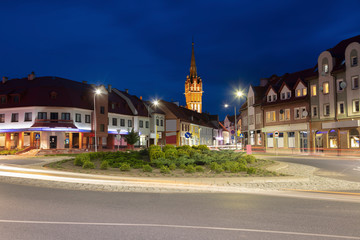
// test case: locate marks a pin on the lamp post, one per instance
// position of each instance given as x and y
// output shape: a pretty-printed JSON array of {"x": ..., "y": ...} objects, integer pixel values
[
  {"x": 156, "y": 103},
  {"x": 97, "y": 92},
  {"x": 238, "y": 94}
]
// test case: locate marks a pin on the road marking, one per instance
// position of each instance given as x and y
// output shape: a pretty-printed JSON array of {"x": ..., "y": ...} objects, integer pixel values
[
  {"x": 357, "y": 169},
  {"x": 184, "y": 226},
  {"x": 318, "y": 191}
]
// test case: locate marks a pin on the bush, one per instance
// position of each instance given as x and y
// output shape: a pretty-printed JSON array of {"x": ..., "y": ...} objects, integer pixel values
[
  {"x": 154, "y": 148},
  {"x": 190, "y": 169},
  {"x": 165, "y": 169},
  {"x": 251, "y": 170},
  {"x": 182, "y": 166},
  {"x": 104, "y": 165},
  {"x": 250, "y": 159},
  {"x": 184, "y": 160},
  {"x": 147, "y": 168},
  {"x": 213, "y": 166},
  {"x": 219, "y": 169},
  {"x": 125, "y": 167},
  {"x": 156, "y": 154},
  {"x": 144, "y": 152},
  {"x": 88, "y": 165},
  {"x": 172, "y": 166},
  {"x": 169, "y": 146},
  {"x": 81, "y": 158},
  {"x": 171, "y": 153},
  {"x": 161, "y": 162},
  {"x": 199, "y": 169},
  {"x": 203, "y": 148},
  {"x": 137, "y": 165}
]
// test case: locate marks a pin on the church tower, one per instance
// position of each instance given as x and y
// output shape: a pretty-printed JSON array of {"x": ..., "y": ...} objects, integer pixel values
[{"x": 193, "y": 87}]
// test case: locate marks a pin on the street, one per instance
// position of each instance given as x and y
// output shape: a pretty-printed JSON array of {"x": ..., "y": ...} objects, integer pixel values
[
  {"x": 339, "y": 168},
  {"x": 42, "y": 213}
]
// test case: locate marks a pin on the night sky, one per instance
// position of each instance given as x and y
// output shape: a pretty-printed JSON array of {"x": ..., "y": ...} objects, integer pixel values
[{"x": 145, "y": 46}]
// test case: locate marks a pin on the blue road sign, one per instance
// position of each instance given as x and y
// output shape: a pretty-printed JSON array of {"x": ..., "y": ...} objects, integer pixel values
[
  {"x": 232, "y": 137},
  {"x": 188, "y": 135},
  {"x": 241, "y": 135},
  {"x": 37, "y": 136},
  {"x": 232, "y": 132}
]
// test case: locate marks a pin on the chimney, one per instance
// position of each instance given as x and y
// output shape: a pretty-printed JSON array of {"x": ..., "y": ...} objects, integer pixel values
[
  {"x": 4, "y": 80},
  {"x": 31, "y": 76},
  {"x": 84, "y": 82},
  {"x": 127, "y": 90},
  {"x": 109, "y": 88}
]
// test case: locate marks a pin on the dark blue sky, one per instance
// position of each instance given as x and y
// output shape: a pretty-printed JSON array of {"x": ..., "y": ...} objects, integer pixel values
[{"x": 145, "y": 46}]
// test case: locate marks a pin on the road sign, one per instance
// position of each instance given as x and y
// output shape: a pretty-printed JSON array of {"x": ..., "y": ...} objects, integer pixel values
[
  {"x": 232, "y": 132},
  {"x": 241, "y": 135},
  {"x": 67, "y": 141},
  {"x": 188, "y": 135},
  {"x": 238, "y": 132},
  {"x": 276, "y": 134},
  {"x": 232, "y": 137},
  {"x": 37, "y": 136}
]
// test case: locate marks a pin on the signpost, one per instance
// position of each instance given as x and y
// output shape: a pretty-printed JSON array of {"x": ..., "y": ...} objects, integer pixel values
[
  {"x": 188, "y": 135},
  {"x": 118, "y": 137},
  {"x": 37, "y": 136},
  {"x": 241, "y": 135},
  {"x": 276, "y": 134}
]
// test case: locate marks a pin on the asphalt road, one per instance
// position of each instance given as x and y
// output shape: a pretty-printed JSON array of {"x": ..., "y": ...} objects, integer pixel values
[
  {"x": 41, "y": 213},
  {"x": 339, "y": 168}
]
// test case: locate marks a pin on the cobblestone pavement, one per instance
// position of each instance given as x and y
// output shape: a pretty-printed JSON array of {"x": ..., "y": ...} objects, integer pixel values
[{"x": 300, "y": 177}]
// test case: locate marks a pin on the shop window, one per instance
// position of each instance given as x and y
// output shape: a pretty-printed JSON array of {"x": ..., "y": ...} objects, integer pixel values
[
  {"x": 291, "y": 139},
  {"x": 270, "y": 140},
  {"x": 333, "y": 139},
  {"x": 354, "y": 138}
]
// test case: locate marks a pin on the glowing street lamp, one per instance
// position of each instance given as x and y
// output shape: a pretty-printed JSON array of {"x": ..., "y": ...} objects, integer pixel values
[
  {"x": 156, "y": 103},
  {"x": 97, "y": 92},
  {"x": 238, "y": 94}
]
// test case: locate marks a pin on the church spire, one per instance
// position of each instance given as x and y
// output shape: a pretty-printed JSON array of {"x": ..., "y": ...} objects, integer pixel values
[{"x": 193, "y": 73}]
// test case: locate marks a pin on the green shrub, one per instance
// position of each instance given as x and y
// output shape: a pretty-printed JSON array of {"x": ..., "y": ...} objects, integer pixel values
[
  {"x": 156, "y": 154},
  {"x": 242, "y": 168},
  {"x": 78, "y": 162},
  {"x": 168, "y": 146},
  {"x": 165, "y": 169},
  {"x": 104, "y": 165},
  {"x": 154, "y": 148},
  {"x": 161, "y": 162},
  {"x": 147, "y": 168},
  {"x": 190, "y": 169},
  {"x": 125, "y": 167},
  {"x": 213, "y": 166},
  {"x": 137, "y": 165},
  {"x": 182, "y": 166},
  {"x": 144, "y": 152},
  {"x": 242, "y": 160},
  {"x": 171, "y": 153},
  {"x": 184, "y": 160},
  {"x": 81, "y": 158},
  {"x": 199, "y": 169},
  {"x": 250, "y": 159},
  {"x": 88, "y": 165},
  {"x": 182, "y": 152},
  {"x": 172, "y": 166},
  {"x": 251, "y": 170},
  {"x": 203, "y": 148}
]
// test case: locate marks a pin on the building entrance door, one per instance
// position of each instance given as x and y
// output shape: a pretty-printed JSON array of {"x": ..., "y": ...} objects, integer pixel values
[
  {"x": 303, "y": 141},
  {"x": 319, "y": 142},
  {"x": 53, "y": 142}
]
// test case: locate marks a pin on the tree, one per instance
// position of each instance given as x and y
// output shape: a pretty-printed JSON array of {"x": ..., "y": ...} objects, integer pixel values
[{"x": 131, "y": 138}]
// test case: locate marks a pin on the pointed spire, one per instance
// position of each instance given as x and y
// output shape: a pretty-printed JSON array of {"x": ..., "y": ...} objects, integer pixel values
[{"x": 193, "y": 73}]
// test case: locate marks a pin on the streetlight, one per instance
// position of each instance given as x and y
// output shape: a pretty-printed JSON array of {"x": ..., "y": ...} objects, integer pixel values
[
  {"x": 97, "y": 92},
  {"x": 155, "y": 103},
  {"x": 238, "y": 94}
]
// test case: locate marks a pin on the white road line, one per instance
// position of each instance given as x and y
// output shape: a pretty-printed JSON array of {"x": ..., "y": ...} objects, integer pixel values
[
  {"x": 183, "y": 226},
  {"x": 357, "y": 169}
]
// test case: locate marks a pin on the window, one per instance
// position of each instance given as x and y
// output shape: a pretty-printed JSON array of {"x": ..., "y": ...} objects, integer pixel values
[
  {"x": 274, "y": 97},
  {"x": 102, "y": 128},
  {"x": 65, "y": 116},
  {"x": 313, "y": 90},
  {"x": 113, "y": 106},
  {"x": 147, "y": 124},
  {"x": 356, "y": 106},
  {"x": 157, "y": 122},
  {"x": 129, "y": 123},
  {"x": 122, "y": 122},
  {"x": 314, "y": 111},
  {"x": 77, "y": 117},
  {"x": 161, "y": 122},
  {"x": 288, "y": 95},
  {"x": 54, "y": 116},
  {"x": 270, "y": 116},
  {"x": 287, "y": 114},
  {"x": 15, "y": 99},
  {"x": 283, "y": 96},
  {"x": 3, "y": 99},
  {"x": 341, "y": 108},
  {"x": 298, "y": 93},
  {"x": 281, "y": 115},
  {"x": 304, "y": 91},
  {"x": 303, "y": 112},
  {"x": 141, "y": 123},
  {"x": 326, "y": 109},
  {"x": 114, "y": 121},
  {"x": 14, "y": 117},
  {"x": 269, "y": 98},
  {"x": 340, "y": 85},
  {"x": 42, "y": 115},
  {"x": 296, "y": 113},
  {"x": 354, "y": 61},
  {"x": 355, "y": 82},
  {"x": 326, "y": 68},
  {"x": 87, "y": 118},
  {"x": 28, "y": 117},
  {"x": 102, "y": 110},
  {"x": 326, "y": 88},
  {"x": 2, "y": 118}
]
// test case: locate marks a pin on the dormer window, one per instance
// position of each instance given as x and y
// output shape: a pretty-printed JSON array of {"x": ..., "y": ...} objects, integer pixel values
[
  {"x": 53, "y": 95},
  {"x": 3, "y": 99},
  {"x": 283, "y": 96},
  {"x": 354, "y": 61},
  {"x": 16, "y": 99},
  {"x": 269, "y": 98},
  {"x": 288, "y": 95},
  {"x": 274, "y": 98},
  {"x": 325, "y": 68},
  {"x": 304, "y": 91}
]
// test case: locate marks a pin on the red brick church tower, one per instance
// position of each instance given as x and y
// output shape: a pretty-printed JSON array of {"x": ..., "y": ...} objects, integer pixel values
[{"x": 193, "y": 87}]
